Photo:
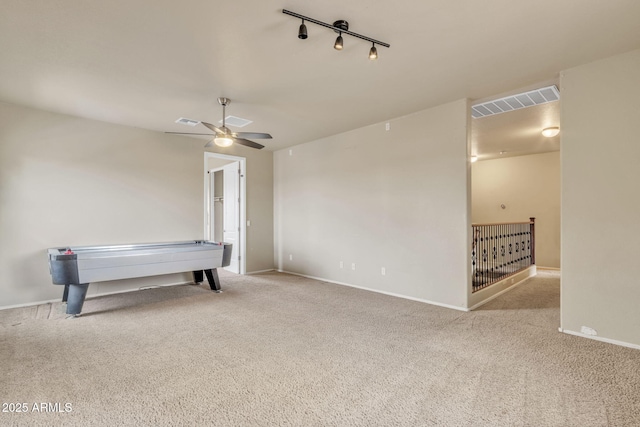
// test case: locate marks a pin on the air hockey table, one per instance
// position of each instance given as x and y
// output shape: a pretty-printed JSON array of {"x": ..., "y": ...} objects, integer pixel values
[{"x": 77, "y": 267}]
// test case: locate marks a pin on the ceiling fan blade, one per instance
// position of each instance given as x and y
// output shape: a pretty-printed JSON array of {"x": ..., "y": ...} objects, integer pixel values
[
  {"x": 209, "y": 144},
  {"x": 213, "y": 128},
  {"x": 248, "y": 143},
  {"x": 189, "y": 133},
  {"x": 252, "y": 135}
]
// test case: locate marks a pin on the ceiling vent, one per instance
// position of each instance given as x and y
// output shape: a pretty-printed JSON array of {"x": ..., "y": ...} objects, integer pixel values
[
  {"x": 235, "y": 121},
  {"x": 188, "y": 122},
  {"x": 515, "y": 102}
]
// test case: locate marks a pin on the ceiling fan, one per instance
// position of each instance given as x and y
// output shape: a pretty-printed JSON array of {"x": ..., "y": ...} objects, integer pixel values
[{"x": 223, "y": 137}]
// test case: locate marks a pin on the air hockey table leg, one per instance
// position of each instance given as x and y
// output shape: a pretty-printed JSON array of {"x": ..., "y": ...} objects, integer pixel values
[
  {"x": 75, "y": 297},
  {"x": 197, "y": 276},
  {"x": 212, "y": 278}
]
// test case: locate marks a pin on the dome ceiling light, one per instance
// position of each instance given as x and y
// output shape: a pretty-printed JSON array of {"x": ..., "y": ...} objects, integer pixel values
[{"x": 550, "y": 132}]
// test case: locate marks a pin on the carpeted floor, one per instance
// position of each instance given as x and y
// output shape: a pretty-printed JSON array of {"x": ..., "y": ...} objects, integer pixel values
[{"x": 281, "y": 350}]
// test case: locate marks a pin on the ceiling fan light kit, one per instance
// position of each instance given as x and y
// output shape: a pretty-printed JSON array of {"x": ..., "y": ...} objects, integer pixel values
[
  {"x": 341, "y": 27},
  {"x": 223, "y": 137},
  {"x": 223, "y": 141}
]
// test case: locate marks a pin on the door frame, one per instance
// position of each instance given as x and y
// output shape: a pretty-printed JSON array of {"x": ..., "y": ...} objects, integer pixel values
[{"x": 243, "y": 203}]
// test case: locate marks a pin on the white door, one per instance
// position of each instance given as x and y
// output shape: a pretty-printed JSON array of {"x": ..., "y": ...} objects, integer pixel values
[
  {"x": 211, "y": 213},
  {"x": 215, "y": 208},
  {"x": 231, "y": 231}
]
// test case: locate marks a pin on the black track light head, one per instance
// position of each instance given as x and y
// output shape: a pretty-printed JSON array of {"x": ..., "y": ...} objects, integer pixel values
[
  {"x": 302, "y": 32},
  {"x": 373, "y": 53},
  {"x": 338, "y": 43}
]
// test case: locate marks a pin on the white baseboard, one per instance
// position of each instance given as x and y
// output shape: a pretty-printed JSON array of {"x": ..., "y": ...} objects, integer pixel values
[
  {"x": 260, "y": 271},
  {"x": 100, "y": 294},
  {"x": 548, "y": 268},
  {"x": 142, "y": 288},
  {"x": 522, "y": 275},
  {"x": 453, "y": 307},
  {"x": 492, "y": 297},
  {"x": 29, "y": 304},
  {"x": 601, "y": 339}
]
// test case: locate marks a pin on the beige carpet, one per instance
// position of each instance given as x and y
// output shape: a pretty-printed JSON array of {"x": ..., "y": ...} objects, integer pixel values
[{"x": 280, "y": 350}]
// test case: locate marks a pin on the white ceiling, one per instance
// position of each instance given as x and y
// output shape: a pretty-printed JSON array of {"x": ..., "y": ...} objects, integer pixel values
[{"x": 145, "y": 63}]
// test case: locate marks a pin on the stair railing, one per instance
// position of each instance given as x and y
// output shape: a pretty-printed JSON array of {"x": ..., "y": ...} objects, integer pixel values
[{"x": 501, "y": 250}]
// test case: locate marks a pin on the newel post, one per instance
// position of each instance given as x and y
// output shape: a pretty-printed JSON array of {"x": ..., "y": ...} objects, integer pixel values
[{"x": 532, "y": 226}]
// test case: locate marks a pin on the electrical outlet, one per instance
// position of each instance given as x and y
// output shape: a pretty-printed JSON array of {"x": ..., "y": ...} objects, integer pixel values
[
  {"x": 290, "y": 257},
  {"x": 387, "y": 126},
  {"x": 291, "y": 152},
  {"x": 383, "y": 271},
  {"x": 341, "y": 264},
  {"x": 353, "y": 265},
  {"x": 248, "y": 223}
]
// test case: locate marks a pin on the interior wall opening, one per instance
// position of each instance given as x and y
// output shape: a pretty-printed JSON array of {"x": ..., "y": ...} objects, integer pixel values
[
  {"x": 515, "y": 173},
  {"x": 225, "y": 205}
]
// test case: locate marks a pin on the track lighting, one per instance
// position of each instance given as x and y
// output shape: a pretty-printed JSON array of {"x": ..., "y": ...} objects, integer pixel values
[
  {"x": 302, "y": 32},
  {"x": 373, "y": 53},
  {"x": 338, "y": 44},
  {"x": 340, "y": 27}
]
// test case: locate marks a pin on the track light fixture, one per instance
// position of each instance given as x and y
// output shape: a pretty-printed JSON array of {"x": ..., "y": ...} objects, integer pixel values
[
  {"x": 340, "y": 27},
  {"x": 373, "y": 52},
  {"x": 338, "y": 44},
  {"x": 302, "y": 32}
]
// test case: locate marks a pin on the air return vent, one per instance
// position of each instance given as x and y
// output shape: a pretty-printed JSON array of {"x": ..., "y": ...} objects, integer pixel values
[
  {"x": 515, "y": 102},
  {"x": 188, "y": 122},
  {"x": 235, "y": 121}
]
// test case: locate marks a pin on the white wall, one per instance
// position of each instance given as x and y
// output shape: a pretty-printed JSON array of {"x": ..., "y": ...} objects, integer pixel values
[
  {"x": 71, "y": 181},
  {"x": 528, "y": 186},
  {"x": 601, "y": 198},
  {"x": 259, "y": 206},
  {"x": 396, "y": 199}
]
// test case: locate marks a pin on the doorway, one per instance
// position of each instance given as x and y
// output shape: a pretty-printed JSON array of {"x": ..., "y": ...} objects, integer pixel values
[{"x": 225, "y": 207}]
